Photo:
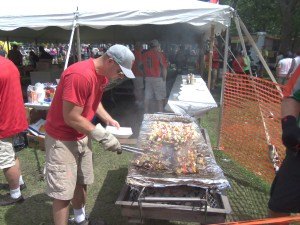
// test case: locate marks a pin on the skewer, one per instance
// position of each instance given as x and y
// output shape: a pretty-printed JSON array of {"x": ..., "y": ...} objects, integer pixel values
[{"x": 132, "y": 149}]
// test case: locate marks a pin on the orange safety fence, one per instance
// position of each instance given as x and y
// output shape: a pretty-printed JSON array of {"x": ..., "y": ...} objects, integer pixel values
[
  {"x": 250, "y": 127},
  {"x": 275, "y": 221}
]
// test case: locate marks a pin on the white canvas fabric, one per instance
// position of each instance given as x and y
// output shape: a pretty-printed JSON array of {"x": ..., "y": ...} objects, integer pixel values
[{"x": 54, "y": 20}]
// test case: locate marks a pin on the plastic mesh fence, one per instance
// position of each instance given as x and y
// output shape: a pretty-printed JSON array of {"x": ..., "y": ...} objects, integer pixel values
[
  {"x": 292, "y": 220},
  {"x": 250, "y": 128}
]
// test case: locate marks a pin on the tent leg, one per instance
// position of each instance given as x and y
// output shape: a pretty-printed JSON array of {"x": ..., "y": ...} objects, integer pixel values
[
  {"x": 70, "y": 44},
  {"x": 256, "y": 50},
  {"x": 238, "y": 27},
  {"x": 212, "y": 42},
  {"x": 223, "y": 84},
  {"x": 78, "y": 44}
]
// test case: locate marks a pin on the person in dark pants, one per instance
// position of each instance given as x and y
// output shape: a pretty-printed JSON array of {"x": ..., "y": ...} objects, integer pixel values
[{"x": 285, "y": 190}]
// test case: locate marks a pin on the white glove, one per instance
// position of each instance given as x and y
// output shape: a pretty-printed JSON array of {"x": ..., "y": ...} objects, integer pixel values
[{"x": 109, "y": 141}]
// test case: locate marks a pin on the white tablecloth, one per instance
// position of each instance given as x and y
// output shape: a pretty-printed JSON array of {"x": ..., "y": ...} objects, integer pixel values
[
  {"x": 38, "y": 106},
  {"x": 190, "y": 99}
]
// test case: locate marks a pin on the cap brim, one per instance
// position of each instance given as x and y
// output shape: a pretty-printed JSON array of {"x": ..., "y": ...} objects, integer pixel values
[{"x": 128, "y": 73}]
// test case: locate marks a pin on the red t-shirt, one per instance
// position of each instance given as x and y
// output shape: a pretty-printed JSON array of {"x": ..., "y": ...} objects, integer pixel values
[
  {"x": 215, "y": 59},
  {"x": 12, "y": 111},
  {"x": 80, "y": 85},
  {"x": 238, "y": 65},
  {"x": 152, "y": 60}
]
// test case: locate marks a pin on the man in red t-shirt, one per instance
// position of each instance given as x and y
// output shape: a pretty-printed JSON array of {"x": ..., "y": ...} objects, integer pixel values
[
  {"x": 215, "y": 67},
  {"x": 12, "y": 121},
  {"x": 69, "y": 132},
  {"x": 155, "y": 69},
  {"x": 239, "y": 64},
  {"x": 137, "y": 69}
]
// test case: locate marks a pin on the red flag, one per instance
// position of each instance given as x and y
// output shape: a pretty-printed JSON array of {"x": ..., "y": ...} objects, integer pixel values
[{"x": 214, "y": 1}]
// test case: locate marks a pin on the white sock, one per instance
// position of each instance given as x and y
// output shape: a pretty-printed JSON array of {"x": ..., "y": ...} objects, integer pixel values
[
  {"x": 79, "y": 214},
  {"x": 16, "y": 193},
  {"x": 21, "y": 181}
]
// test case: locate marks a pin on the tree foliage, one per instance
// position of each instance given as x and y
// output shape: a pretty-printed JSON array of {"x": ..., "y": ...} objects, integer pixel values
[{"x": 276, "y": 17}]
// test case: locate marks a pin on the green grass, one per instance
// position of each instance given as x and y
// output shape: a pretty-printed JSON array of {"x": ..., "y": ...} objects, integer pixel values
[{"x": 248, "y": 195}]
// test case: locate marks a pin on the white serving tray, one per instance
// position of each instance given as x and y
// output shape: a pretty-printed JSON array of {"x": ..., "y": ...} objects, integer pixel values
[{"x": 122, "y": 132}]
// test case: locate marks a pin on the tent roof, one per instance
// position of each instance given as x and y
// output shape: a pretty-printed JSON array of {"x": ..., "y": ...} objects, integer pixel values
[{"x": 113, "y": 20}]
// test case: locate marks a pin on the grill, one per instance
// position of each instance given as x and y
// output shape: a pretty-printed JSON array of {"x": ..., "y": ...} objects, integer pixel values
[
  {"x": 176, "y": 199},
  {"x": 178, "y": 203}
]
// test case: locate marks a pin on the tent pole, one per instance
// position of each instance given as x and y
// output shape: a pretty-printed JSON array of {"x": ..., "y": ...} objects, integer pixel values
[
  {"x": 211, "y": 47},
  {"x": 7, "y": 44},
  {"x": 70, "y": 42},
  {"x": 238, "y": 27},
  {"x": 78, "y": 44},
  {"x": 257, "y": 50},
  {"x": 225, "y": 61}
]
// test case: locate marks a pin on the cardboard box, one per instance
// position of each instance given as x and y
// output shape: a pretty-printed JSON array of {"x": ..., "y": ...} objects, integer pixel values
[
  {"x": 36, "y": 142},
  {"x": 33, "y": 115}
]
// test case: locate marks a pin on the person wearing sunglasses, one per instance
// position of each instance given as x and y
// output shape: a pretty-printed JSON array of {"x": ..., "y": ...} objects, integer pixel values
[{"x": 69, "y": 132}]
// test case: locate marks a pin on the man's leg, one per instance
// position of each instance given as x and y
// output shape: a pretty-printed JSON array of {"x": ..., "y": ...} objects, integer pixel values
[
  {"x": 147, "y": 102},
  {"x": 78, "y": 202},
  {"x": 21, "y": 181},
  {"x": 12, "y": 175},
  {"x": 60, "y": 209},
  {"x": 160, "y": 105},
  {"x": 79, "y": 198},
  {"x": 214, "y": 78}
]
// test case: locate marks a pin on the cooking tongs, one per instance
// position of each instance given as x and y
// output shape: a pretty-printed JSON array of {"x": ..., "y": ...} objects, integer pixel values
[{"x": 132, "y": 149}]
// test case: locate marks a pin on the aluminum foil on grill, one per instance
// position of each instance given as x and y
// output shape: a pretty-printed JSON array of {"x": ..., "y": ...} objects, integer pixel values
[{"x": 176, "y": 154}]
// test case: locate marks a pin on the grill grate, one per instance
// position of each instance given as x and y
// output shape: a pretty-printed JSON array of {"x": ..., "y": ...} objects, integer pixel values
[{"x": 213, "y": 199}]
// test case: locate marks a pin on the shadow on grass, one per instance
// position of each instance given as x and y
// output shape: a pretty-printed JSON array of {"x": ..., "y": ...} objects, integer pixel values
[
  {"x": 105, "y": 207},
  {"x": 35, "y": 210}
]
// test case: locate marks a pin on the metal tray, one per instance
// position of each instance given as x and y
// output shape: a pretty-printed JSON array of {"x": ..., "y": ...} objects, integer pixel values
[{"x": 211, "y": 176}]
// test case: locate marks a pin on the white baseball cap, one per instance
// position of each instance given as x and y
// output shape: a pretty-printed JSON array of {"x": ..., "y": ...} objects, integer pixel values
[{"x": 124, "y": 57}]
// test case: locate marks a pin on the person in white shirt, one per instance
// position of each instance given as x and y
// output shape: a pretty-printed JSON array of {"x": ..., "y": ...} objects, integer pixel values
[
  {"x": 283, "y": 68},
  {"x": 295, "y": 64}
]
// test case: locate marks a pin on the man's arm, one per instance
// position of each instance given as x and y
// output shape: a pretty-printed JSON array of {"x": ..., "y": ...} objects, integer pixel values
[
  {"x": 72, "y": 117},
  {"x": 105, "y": 117},
  {"x": 290, "y": 106}
]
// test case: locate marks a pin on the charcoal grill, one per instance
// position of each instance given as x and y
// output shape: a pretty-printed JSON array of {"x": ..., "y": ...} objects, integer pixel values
[
  {"x": 199, "y": 205},
  {"x": 175, "y": 203}
]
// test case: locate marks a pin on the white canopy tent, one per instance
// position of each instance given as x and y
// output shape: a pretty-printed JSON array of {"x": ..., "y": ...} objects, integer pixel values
[
  {"x": 114, "y": 21},
  {"x": 110, "y": 21}
]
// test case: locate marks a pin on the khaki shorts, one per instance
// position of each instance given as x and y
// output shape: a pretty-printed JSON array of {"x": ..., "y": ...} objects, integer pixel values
[
  {"x": 155, "y": 88},
  {"x": 67, "y": 163},
  {"x": 7, "y": 153}
]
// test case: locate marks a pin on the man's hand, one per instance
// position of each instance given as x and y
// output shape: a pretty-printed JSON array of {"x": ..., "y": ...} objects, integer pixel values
[
  {"x": 108, "y": 141},
  {"x": 113, "y": 122},
  {"x": 111, "y": 143},
  {"x": 290, "y": 132}
]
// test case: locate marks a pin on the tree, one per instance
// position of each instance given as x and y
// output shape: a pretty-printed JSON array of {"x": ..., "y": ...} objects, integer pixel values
[
  {"x": 288, "y": 10},
  {"x": 279, "y": 17}
]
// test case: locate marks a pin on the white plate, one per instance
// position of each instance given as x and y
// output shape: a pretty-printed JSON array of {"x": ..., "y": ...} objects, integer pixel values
[{"x": 122, "y": 132}]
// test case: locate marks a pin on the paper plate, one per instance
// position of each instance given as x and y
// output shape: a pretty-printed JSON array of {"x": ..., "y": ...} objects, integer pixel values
[{"x": 122, "y": 132}]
